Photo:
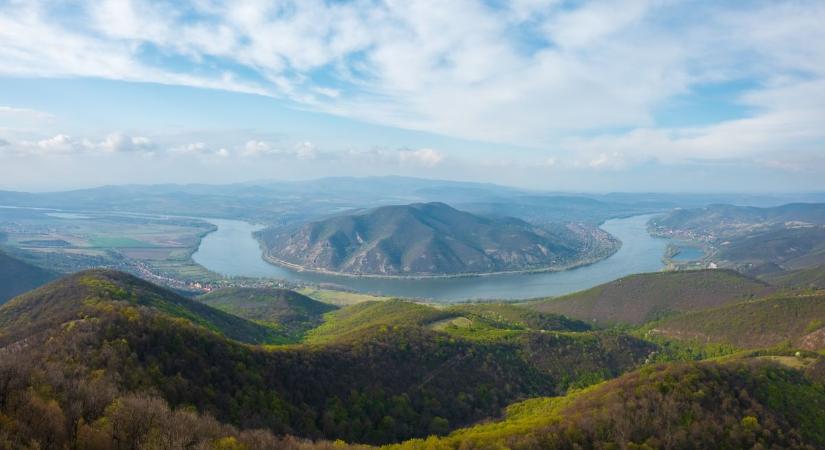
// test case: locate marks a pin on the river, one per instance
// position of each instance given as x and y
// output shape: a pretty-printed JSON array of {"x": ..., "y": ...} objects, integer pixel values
[{"x": 232, "y": 251}]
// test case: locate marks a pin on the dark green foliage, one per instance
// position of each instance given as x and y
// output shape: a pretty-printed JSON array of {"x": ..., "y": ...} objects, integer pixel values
[
  {"x": 519, "y": 317},
  {"x": 425, "y": 239},
  {"x": 49, "y": 407},
  {"x": 640, "y": 298},
  {"x": 581, "y": 359},
  {"x": 391, "y": 384},
  {"x": 382, "y": 376},
  {"x": 797, "y": 321},
  {"x": 17, "y": 277},
  {"x": 282, "y": 309},
  {"x": 811, "y": 278},
  {"x": 683, "y": 406},
  {"x": 75, "y": 296}
]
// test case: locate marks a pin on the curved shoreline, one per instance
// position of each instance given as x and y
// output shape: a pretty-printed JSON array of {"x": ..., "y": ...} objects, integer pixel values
[
  {"x": 266, "y": 256},
  {"x": 234, "y": 252}
]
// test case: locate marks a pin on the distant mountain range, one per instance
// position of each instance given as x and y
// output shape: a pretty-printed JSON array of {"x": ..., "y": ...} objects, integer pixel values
[
  {"x": 282, "y": 202},
  {"x": 426, "y": 239}
]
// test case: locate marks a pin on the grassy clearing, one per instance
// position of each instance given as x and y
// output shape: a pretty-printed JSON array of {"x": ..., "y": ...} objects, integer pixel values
[
  {"x": 339, "y": 298},
  {"x": 118, "y": 242}
]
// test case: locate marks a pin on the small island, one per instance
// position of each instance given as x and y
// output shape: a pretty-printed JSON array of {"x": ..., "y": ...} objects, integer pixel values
[{"x": 432, "y": 240}]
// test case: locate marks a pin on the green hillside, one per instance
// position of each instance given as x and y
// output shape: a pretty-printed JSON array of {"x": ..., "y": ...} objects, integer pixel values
[
  {"x": 514, "y": 316},
  {"x": 351, "y": 320},
  {"x": 643, "y": 297},
  {"x": 775, "y": 250},
  {"x": 99, "y": 340},
  {"x": 425, "y": 239},
  {"x": 811, "y": 278},
  {"x": 472, "y": 321},
  {"x": 90, "y": 357},
  {"x": 17, "y": 277},
  {"x": 797, "y": 321},
  {"x": 84, "y": 293},
  {"x": 698, "y": 405},
  {"x": 282, "y": 309}
]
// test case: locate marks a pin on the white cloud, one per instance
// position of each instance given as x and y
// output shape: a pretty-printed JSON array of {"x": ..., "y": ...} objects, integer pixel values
[
  {"x": 425, "y": 156},
  {"x": 9, "y": 111},
  {"x": 60, "y": 143},
  {"x": 458, "y": 68},
  {"x": 306, "y": 150},
  {"x": 118, "y": 142},
  {"x": 257, "y": 148},
  {"x": 65, "y": 144}
]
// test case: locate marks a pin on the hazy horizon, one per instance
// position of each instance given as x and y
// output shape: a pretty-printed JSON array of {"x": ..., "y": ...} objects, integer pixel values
[{"x": 527, "y": 189}]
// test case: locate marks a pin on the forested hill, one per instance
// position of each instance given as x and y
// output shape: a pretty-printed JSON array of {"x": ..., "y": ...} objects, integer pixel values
[
  {"x": 90, "y": 346},
  {"x": 17, "y": 277},
  {"x": 639, "y": 298},
  {"x": 729, "y": 219},
  {"x": 281, "y": 309},
  {"x": 88, "y": 292},
  {"x": 101, "y": 360},
  {"x": 430, "y": 239},
  {"x": 793, "y": 321},
  {"x": 741, "y": 404}
]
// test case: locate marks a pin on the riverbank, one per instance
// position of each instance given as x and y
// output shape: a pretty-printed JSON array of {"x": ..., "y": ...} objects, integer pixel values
[
  {"x": 232, "y": 251},
  {"x": 580, "y": 263}
]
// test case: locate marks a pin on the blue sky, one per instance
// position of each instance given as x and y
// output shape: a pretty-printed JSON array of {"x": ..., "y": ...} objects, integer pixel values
[{"x": 635, "y": 95}]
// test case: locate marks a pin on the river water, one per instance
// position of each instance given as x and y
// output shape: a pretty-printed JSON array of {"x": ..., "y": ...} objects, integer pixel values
[{"x": 232, "y": 251}]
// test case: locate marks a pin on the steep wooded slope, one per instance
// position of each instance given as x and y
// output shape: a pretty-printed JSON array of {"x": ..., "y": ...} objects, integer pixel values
[
  {"x": 643, "y": 297},
  {"x": 429, "y": 239},
  {"x": 17, "y": 277}
]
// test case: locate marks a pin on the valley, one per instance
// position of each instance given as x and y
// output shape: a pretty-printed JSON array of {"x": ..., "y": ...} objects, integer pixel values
[
  {"x": 412, "y": 225},
  {"x": 304, "y": 373},
  {"x": 203, "y": 341}
]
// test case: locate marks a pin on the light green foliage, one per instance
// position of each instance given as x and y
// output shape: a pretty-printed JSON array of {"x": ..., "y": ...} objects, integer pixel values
[{"x": 351, "y": 320}]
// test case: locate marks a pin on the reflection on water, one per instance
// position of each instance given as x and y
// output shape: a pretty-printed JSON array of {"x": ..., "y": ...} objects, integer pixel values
[{"x": 232, "y": 251}]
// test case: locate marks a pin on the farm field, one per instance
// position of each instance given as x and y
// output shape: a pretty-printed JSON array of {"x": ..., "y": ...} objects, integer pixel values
[{"x": 155, "y": 247}]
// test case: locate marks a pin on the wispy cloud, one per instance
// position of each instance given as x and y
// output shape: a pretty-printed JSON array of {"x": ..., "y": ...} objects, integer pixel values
[
  {"x": 522, "y": 72},
  {"x": 580, "y": 85},
  {"x": 9, "y": 111}
]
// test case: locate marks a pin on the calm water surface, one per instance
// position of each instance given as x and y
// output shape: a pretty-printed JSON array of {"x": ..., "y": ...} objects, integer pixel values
[
  {"x": 232, "y": 251},
  {"x": 687, "y": 253}
]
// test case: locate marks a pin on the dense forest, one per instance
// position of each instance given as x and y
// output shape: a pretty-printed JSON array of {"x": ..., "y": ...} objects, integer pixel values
[{"x": 101, "y": 359}]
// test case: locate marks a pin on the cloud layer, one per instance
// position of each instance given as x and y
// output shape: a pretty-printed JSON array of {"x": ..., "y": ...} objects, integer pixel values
[{"x": 584, "y": 83}]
